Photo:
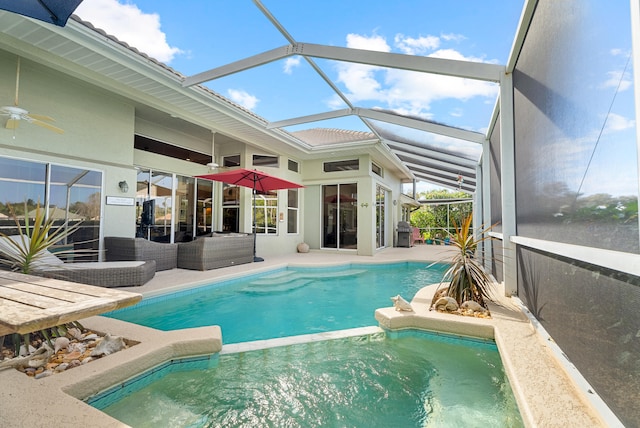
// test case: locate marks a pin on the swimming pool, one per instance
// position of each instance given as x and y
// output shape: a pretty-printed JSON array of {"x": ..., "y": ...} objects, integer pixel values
[
  {"x": 286, "y": 302},
  {"x": 399, "y": 379}
]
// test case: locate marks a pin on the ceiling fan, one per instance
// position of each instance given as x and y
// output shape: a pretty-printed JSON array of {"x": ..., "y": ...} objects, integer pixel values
[{"x": 16, "y": 114}]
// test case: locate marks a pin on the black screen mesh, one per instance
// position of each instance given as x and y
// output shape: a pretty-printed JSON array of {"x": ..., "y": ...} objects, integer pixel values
[
  {"x": 593, "y": 316},
  {"x": 576, "y": 161},
  {"x": 577, "y": 182}
]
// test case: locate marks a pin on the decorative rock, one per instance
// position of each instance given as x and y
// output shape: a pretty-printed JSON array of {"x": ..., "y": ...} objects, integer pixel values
[
  {"x": 108, "y": 345},
  {"x": 38, "y": 359},
  {"x": 446, "y": 303},
  {"x": 401, "y": 304},
  {"x": 72, "y": 356},
  {"x": 74, "y": 333},
  {"x": 473, "y": 306},
  {"x": 303, "y": 247},
  {"x": 43, "y": 374},
  {"x": 77, "y": 347},
  {"x": 60, "y": 343},
  {"x": 73, "y": 350},
  {"x": 24, "y": 350},
  {"x": 74, "y": 363},
  {"x": 62, "y": 367}
]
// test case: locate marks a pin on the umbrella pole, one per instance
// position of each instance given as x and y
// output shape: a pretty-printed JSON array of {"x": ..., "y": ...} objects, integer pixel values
[{"x": 255, "y": 258}]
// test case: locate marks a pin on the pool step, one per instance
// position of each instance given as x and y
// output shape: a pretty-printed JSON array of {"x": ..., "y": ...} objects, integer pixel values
[
  {"x": 318, "y": 276},
  {"x": 280, "y": 287}
]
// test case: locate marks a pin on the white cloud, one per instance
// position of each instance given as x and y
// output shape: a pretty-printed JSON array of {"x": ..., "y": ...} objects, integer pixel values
[
  {"x": 374, "y": 43},
  {"x": 129, "y": 24},
  {"x": 419, "y": 46},
  {"x": 616, "y": 122},
  {"x": 243, "y": 98},
  {"x": 291, "y": 63},
  {"x": 456, "y": 112},
  {"x": 452, "y": 37},
  {"x": 406, "y": 91},
  {"x": 617, "y": 78},
  {"x": 618, "y": 52}
]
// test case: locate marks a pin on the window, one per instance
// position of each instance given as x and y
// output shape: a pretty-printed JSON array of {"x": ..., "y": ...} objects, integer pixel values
[
  {"x": 204, "y": 217},
  {"x": 230, "y": 208},
  {"x": 345, "y": 165},
  {"x": 266, "y": 212},
  {"x": 265, "y": 160},
  {"x": 376, "y": 169},
  {"x": 231, "y": 161},
  {"x": 292, "y": 210},
  {"x": 185, "y": 198},
  {"x": 293, "y": 166},
  {"x": 71, "y": 194},
  {"x": 154, "y": 146}
]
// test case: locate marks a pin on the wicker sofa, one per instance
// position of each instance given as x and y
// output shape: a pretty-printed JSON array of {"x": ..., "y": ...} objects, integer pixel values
[
  {"x": 139, "y": 249},
  {"x": 215, "y": 251}
]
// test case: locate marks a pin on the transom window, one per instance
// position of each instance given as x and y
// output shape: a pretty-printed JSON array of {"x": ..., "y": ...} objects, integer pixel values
[
  {"x": 265, "y": 160},
  {"x": 344, "y": 165},
  {"x": 231, "y": 161}
]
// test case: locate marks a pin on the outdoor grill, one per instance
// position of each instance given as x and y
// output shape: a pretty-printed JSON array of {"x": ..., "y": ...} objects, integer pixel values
[{"x": 404, "y": 234}]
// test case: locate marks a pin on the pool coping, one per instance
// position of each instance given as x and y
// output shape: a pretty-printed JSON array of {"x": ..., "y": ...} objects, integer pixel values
[
  {"x": 536, "y": 369},
  {"x": 533, "y": 379}
]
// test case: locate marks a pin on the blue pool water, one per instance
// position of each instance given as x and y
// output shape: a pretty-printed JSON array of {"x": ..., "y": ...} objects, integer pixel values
[
  {"x": 286, "y": 302},
  {"x": 402, "y": 379}
]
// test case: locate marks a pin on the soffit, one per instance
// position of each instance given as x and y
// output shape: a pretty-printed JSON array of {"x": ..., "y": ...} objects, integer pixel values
[{"x": 84, "y": 52}]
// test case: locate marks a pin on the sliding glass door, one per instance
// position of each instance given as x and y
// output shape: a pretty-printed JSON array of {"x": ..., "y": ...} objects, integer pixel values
[{"x": 340, "y": 216}]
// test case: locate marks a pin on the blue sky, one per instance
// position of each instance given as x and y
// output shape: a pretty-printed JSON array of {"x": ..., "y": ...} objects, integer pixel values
[{"x": 196, "y": 35}]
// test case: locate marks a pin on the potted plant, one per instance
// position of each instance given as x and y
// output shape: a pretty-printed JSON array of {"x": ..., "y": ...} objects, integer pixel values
[
  {"x": 467, "y": 279},
  {"x": 427, "y": 238}
]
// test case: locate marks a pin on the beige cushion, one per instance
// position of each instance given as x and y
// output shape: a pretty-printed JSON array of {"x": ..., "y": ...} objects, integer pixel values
[
  {"x": 100, "y": 265},
  {"x": 45, "y": 258}
]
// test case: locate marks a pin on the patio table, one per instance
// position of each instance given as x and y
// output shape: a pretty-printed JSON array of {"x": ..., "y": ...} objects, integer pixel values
[{"x": 29, "y": 303}]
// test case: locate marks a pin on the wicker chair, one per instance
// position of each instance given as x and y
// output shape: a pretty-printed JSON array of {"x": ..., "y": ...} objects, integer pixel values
[
  {"x": 139, "y": 249},
  {"x": 216, "y": 251}
]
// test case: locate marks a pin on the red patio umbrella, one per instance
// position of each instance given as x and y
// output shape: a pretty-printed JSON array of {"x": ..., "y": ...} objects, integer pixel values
[{"x": 253, "y": 179}]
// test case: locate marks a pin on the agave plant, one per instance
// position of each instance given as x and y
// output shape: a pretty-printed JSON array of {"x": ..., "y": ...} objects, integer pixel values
[
  {"x": 28, "y": 249},
  {"x": 466, "y": 276}
]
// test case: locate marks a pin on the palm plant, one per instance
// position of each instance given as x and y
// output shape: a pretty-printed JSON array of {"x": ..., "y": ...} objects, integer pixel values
[
  {"x": 466, "y": 276},
  {"x": 30, "y": 247}
]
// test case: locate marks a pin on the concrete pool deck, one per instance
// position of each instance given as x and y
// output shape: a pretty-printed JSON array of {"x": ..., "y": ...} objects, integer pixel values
[{"x": 548, "y": 395}]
